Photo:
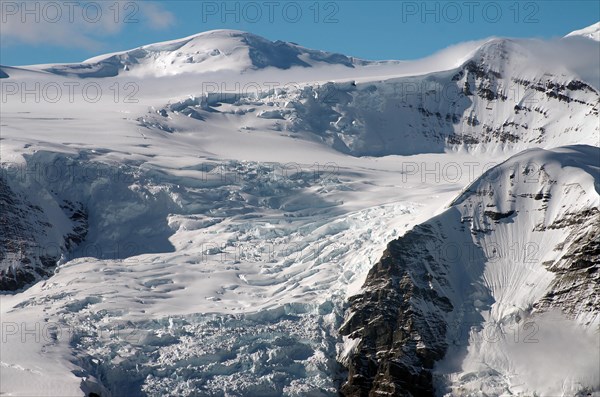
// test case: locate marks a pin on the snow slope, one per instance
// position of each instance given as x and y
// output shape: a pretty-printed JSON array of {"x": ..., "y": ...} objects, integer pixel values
[{"x": 228, "y": 218}]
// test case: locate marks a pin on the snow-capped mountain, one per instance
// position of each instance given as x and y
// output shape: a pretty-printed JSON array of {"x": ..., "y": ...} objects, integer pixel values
[
  {"x": 209, "y": 51},
  {"x": 591, "y": 32},
  {"x": 478, "y": 281},
  {"x": 504, "y": 96},
  {"x": 214, "y": 224}
]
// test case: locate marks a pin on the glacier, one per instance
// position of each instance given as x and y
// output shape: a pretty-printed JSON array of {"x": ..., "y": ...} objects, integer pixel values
[{"x": 213, "y": 223}]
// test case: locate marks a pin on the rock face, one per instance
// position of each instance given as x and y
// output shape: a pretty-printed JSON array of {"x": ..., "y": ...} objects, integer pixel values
[
  {"x": 399, "y": 342},
  {"x": 30, "y": 243},
  {"x": 520, "y": 241},
  {"x": 575, "y": 287}
]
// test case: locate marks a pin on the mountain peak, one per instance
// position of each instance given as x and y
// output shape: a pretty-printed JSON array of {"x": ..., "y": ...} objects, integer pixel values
[
  {"x": 590, "y": 32},
  {"x": 209, "y": 51}
]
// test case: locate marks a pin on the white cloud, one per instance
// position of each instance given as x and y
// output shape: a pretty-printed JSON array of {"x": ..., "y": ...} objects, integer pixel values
[
  {"x": 156, "y": 16},
  {"x": 76, "y": 24},
  {"x": 555, "y": 356}
]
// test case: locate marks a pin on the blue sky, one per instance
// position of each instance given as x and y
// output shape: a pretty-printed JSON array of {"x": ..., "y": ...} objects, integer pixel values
[{"x": 60, "y": 31}]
